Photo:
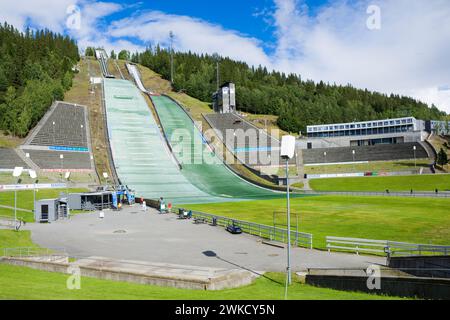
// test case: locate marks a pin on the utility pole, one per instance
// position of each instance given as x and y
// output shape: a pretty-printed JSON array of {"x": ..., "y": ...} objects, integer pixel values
[
  {"x": 171, "y": 35},
  {"x": 217, "y": 59}
]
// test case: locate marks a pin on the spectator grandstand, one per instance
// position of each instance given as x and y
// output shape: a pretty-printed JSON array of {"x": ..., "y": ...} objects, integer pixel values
[
  {"x": 10, "y": 159},
  {"x": 366, "y": 153},
  {"x": 64, "y": 130},
  {"x": 50, "y": 160},
  {"x": 65, "y": 126},
  {"x": 252, "y": 146}
]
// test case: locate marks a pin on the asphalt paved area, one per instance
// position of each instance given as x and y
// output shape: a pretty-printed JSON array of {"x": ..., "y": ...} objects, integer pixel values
[{"x": 148, "y": 236}]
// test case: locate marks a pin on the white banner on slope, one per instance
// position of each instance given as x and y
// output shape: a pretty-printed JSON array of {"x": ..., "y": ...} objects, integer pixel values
[{"x": 12, "y": 187}]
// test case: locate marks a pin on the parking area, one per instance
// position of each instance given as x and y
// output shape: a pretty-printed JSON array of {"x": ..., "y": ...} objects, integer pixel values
[{"x": 133, "y": 234}]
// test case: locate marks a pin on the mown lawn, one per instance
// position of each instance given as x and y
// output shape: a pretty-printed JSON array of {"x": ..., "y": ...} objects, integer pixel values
[
  {"x": 25, "y": 201},
  {"x": 23, "y": 215},
  {"x": 25, "y": 197},
  {"x": 375, "y": 166},
  {"x": 14, "y": 239},
  {"x": 416, "y": 220},
  {"x": 400, "y": 183},
  {"x": 25, "y": 283}
]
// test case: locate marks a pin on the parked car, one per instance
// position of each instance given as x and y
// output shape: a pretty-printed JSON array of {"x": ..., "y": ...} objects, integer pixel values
[{"x": 234, "y": 229}]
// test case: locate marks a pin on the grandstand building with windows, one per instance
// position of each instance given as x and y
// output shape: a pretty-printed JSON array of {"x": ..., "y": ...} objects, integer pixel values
[
  {"x": 365, "y": 133},
  {"x": 376, "y": 140}
]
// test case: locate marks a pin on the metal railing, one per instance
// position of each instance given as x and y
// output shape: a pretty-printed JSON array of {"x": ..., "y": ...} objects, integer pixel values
[
  {"x": 356, "y": 245},
  {"x": 9, "y": 222},
  {"x": 30, "y": 252},
  {"x": 299, "y": 239},
  {"x": 410, "y": 249},
  {"x": 414, "y": 194},
  {"x": 384, "y": 247}
]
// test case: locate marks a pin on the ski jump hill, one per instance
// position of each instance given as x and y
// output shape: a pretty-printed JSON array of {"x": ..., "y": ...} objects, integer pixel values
[{"x": 179, "y": 166}]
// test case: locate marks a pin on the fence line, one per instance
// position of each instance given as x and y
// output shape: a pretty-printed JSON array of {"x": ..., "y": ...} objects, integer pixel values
[
  {"x": 10, "y": 222},
  {"x": 414, "y": 194},
  {"x": 386, "y": 247},
  {"x": 299, "y": 239},
  {"x": 28, "y": 252}
]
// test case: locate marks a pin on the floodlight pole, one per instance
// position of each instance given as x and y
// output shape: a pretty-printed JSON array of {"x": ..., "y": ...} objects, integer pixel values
[
  {"x": 171, "y": 57},
  {"x": 15, "y": 206},
  {"x": 289, "y": 278},
  {"x": 217, "y": 58},
  {"x": 34, "y": 197},
  {"x": 353, "y": 154},
  {"x": 217, "y": 74},
  {"x": 61, "y": 157}
]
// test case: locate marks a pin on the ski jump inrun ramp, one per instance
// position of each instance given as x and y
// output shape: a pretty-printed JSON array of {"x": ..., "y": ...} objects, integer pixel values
[{"x": 145, "y": 163}]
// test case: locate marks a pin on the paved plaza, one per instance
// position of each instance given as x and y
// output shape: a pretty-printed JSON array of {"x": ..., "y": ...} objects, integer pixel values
[{"x": 133, "y": 234}]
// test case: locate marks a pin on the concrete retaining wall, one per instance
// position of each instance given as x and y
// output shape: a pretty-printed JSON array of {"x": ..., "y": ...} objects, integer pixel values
[
  {"x": 423, "y": 266},
  {"x": 423, "y": 288},
  {"x": 224, "y": 280}
]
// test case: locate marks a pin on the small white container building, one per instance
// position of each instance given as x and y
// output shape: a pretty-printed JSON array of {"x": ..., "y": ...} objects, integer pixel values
[{"x": 48, "y": 210}]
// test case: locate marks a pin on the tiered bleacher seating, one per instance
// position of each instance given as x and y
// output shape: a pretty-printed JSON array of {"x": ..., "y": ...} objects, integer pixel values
[
  {"x": 381, "y": 152},
  {"x": 67, "y": 130},
  {"x": 9, "y": 159},
  {"x": 51, "y": 160},
  {"x": 251, "y": 151}
]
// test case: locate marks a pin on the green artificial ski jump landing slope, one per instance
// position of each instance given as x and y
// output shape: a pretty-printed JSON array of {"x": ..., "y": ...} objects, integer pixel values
[
  {"x": 140, "y": 155},
  {"x": 144, "y": 162},
  {"x": 211, "y": 175}
]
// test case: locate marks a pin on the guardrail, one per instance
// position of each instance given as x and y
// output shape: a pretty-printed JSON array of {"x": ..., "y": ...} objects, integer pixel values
[
  {"x": 28, "y": 252},
  {"x": 414, "y": 194},
  {"x": 356, "y": 245},
  {"x": 410, "y": 249},
  {"x": 299, "y": 239},
  {"x": 9, "y": 222},
  {"x": 385, "y": 247}
]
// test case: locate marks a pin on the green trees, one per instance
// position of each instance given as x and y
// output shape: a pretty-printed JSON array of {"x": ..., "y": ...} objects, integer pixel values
[
  {"x": 113, "y": 55},
  {"x": 124, "y": 55},
  {"x": 35, "y": 70},
  {"x": 442, "y": 158},
  {"x": 89, "y": 52},
  {"x": 297, "y": 102}
]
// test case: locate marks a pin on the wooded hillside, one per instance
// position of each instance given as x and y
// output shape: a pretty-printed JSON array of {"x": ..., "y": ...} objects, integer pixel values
[
  {"x": 35, "y": 69},
  {"x": 296, "y": 101}
]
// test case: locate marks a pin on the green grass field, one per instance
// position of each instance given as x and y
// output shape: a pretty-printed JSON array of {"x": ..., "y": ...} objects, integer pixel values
[
  {"x": 25, "y": 283},
  {"x": 25, "y": 201},
  {"x": 13, "y": 239},
  {"x": 416, "y": 220},
  {"x": 375, "y": 166},
  {"x": 393, "y": 183}
]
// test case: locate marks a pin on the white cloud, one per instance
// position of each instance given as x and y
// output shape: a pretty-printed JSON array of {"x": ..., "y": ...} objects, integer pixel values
[
  {"x": 93, "y": 28},
  {"x": 41, "y": 13},
  {"x": 408, "y": 55},
  {"x": 190, "y": 34}
]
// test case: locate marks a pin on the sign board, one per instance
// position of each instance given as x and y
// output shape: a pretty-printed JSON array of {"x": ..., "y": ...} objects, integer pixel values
[
  {"x": 335, "y": 175},
  {"x": 95, "y": 80},
  {"x": 12, "y": 187}
]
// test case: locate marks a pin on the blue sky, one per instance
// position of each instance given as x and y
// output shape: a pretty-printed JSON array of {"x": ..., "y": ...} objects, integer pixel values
[
  {"x": 249, "y": 17},
  {"x": 391, "y": 46}
]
